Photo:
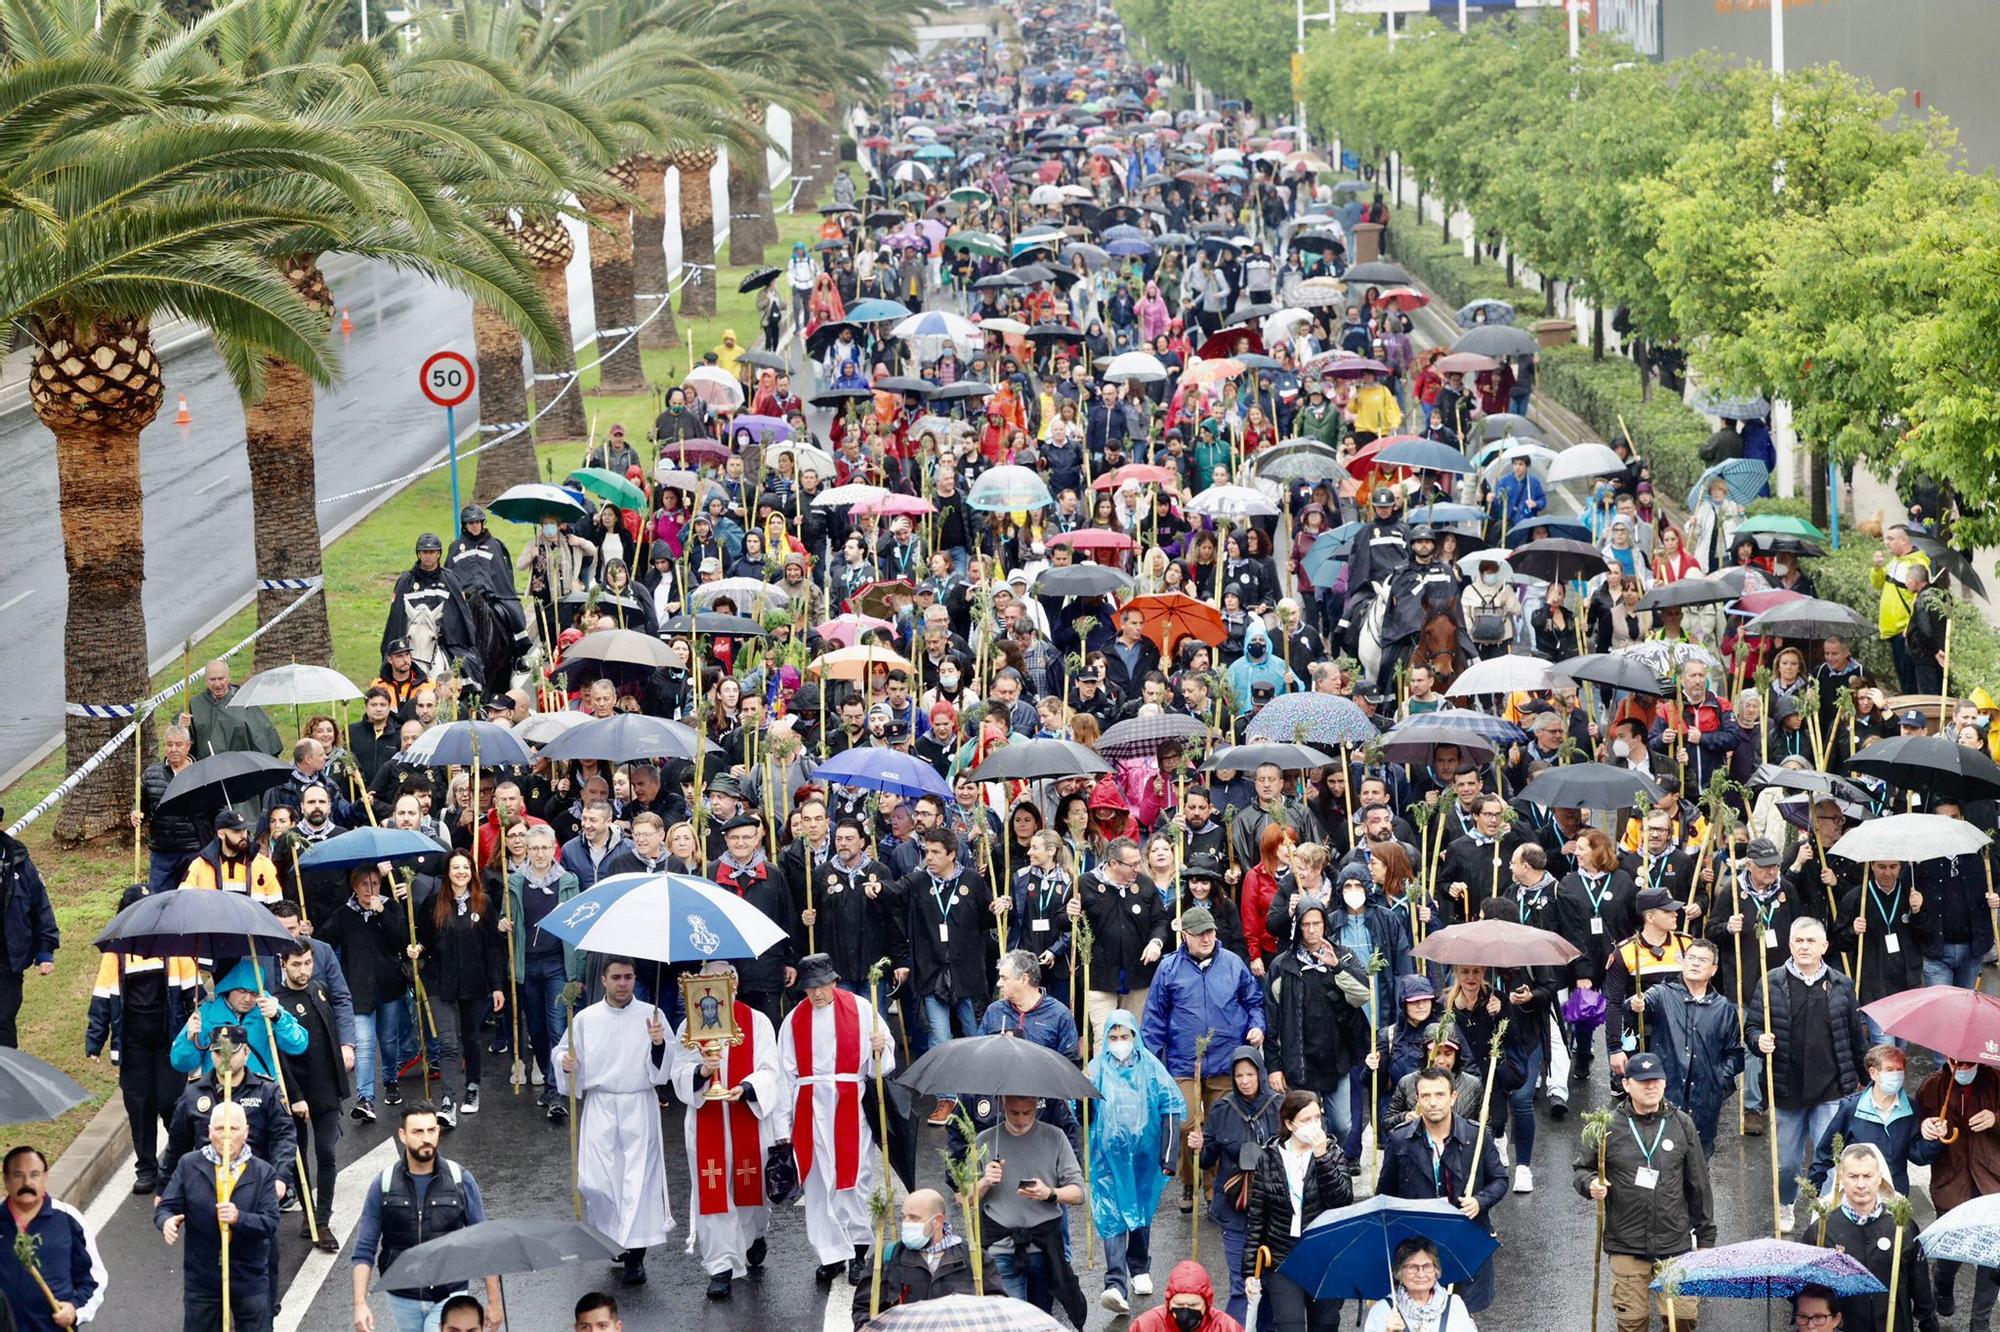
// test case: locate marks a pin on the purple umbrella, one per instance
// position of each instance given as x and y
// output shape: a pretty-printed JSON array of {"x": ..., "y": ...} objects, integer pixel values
[
  {"x": 1353, "y": 369},
  {"x": 763, "y": 429},
  {"x": 933, "y": 230},
  {"x": 1766, "y": 1269}
]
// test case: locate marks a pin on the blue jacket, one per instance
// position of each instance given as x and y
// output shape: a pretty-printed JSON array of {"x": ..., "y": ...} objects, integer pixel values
[
  {"x": 190, "y": 1055},
  {"x": 1134, "y": 1134},
  {"x": 1520, "y": 498},
  {"x": 1259, "y": 665},
  {"x": 1406, "y": 1167},
  {"x": 1188, "y": 998},
  {"x": 69, "y": 1262},
  {"x": 1697, "y": 1045},
  {"x": 1899, "y": 1139},
  {"x": 575, "y": 858},
  {"x": 26, "y": 917},
  {"x": 1048, "y": 1024}
]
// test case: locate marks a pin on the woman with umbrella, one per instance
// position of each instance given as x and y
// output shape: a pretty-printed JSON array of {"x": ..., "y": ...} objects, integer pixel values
[
  {"x": 1134, "y": 1144},
  {"x": 462, "y": 955},
  {"x": 1300, "y": 1174}
]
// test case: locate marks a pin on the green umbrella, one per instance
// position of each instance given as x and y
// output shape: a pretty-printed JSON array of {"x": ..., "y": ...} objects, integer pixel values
[
  {"x": 608, "y": 485},
  {"x": 1780, "y": 524},
  {"x": 977, "y": 242},
  {"x": 970, "y": 194}
]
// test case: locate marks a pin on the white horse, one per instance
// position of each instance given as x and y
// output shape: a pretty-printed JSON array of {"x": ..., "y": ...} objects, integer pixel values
[
  {"x": 426, "y": 645},
  {"x": 1369, "y": 642}
]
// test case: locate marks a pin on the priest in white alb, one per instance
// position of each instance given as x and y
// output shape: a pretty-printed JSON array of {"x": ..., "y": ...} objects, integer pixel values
[
  {"x": 830, "y": 1045},
  {"x": 727, "y": 1138},
  {"x": 615, "y": 1055}
]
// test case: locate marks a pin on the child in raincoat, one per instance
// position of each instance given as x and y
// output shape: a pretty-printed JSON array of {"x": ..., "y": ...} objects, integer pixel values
[{"x": 1134, "y": 1149}]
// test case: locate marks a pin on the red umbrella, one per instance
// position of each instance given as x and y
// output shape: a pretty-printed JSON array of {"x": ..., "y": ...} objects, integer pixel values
[
  {"x": 1958, "y": 1024},
  {"x": 875, "y": 141},
  {"x": 1362, "y": 463},
  {"x": 1756, "y": 603},
  {"x": 1171, "y": 616},
  {"x": 1143, "y": 473},
  {"x": 1405, "y": 299},
  {"x": 1352, "y": 368},
  {"x": 1223, "y": 342},
  {"x": 1496, "y": 943},
  {"x": 1093, "y": 538}
]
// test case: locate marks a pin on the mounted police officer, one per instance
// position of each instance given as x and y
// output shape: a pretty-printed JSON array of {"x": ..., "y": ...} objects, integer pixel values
[
  {"x": 1380, "y": 548},
  {"x": 1423, "y": 588},
  {"x": 429, "y": 591},
  {"x": 480, "y": 559}
]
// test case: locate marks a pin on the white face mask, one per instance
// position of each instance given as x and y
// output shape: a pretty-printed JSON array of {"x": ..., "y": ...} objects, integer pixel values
[
  {"x": 1121, "y": 1049},
  {"x": 1490, "y": 579},
  {"x": 1620, "y": 749},
  {"x": 916, "y": 1235},
  {"x": 1310, "y": 1134},
  {"x": 1354, "y": 898}
]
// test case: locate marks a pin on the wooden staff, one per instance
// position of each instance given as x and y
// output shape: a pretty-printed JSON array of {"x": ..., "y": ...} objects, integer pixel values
[
  {"x": 519, "y": 1074},
  {"x": 882, "y": 1138},
  {"x": 138, "y": 835},
  {"x": 1736, "y": 946},
  {"x": 416, "y": 971},
  {"x": 1485, "y": 1106},
  {"x": 298, "y": 880},
  {"x": 1596, "y": 1129},
  {"x": 1200, "y": 1112},
  {"x": 225, "y": 1185},
  {"x": 1376, "y": 965},
  {"x": 1899, "y": 1207},
  {"x": 1088, "y": 942},
  {"x": 1770, "y": 1092},
  {"x": 284, "y": 1095},
  {"x": 571, "y": 991}
]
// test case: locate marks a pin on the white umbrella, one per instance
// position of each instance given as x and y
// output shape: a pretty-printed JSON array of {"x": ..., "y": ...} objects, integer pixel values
[
  {"x": 714, "y": 386},
  {"x": 1133, "y": 365},
  {"x": 1046, "y": 196},
  {"x": 1511, "y": 674},
  {"x": 293, "y": 685},
  {"x": 938, "y": 323},
  {"x": 1469, "y": 565},
  {"x": 1232, "y": 502},
  {"x": 852, "y": 493},
  {"x": 1077, "y": 192},
  {"x": 1002, "y": 324},
  {"x": 912, "y": 170},
  {"x": 745, "y": 592},
  {"x": 1910, "y": 837},
  {"x": 1539, "y": 457},
  {"x": 1583, "y": 462},
  {"x": 1279, "y": 326},
  {"x": 543, "y": 727},
  {"x": 803, "y": 456}
]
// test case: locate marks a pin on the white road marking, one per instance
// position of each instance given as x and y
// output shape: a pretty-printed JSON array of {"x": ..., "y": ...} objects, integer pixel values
[
  {"x": 117, "y": 1185},
  {"x": 9, "y": 605},
  {"x": 348, "y": 1192},
  {"x": 220, "y": 480}
]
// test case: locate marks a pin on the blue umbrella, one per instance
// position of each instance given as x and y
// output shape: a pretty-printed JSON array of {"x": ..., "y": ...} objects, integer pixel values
[
  {"x": 367, "y": 846},
  {"x": 625, "y": 736},
  {"x": 1765, "y": 1269},
  {"x": 1745, "y": 477},
  {"x": 1497, "y": 312},
  {"x": 1315, "y": 719},
  {"x": 1564, "y": 529},
  {"x": 1427, "y": 454},
  {"x": 1128, "y": 248},
  {"x": 663, "y": 918},
  {"x": 1968, "y": 1233},
  {"x": 1753, "y": 408},
  {"x": 875, "y": 311},
  {"x": 873, "y": 769},
  {"x": 1482, "y": 724},
  {"x": 1345, "y": 1254},
  {"x": 460, "y": 743},
  {"x": 1327, "y": 555}
]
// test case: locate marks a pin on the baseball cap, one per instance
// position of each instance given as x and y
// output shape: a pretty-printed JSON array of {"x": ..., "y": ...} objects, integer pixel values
[
  {"x": 1644, "y": 1067},
  {"x": 1198, "y": 920},
  {"x": 1656, "y": 899},
  {"x": 1762, "y": 852},
  {"x": 229, "y": 818},
  {"x": 1914, "y": 718}
]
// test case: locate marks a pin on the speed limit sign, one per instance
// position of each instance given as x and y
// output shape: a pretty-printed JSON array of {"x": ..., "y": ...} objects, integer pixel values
[{"x": 447, "y": 378}]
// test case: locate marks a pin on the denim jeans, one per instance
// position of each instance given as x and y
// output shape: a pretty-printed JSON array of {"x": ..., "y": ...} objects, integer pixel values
[
  {"x": 166, "y": 869},
  {"x": 1235, "y": 1233},
  {"x": 1026, "y": 1278},
  {"x": 1753, "y": 1083},
  {"x": 376, "y": 1037},
  {"x": 415, "y": 1315},
  {"x": 1521, "y": 1104},
  {"x": 938, "y": 1016},
  {"x": 1877, "y": 1036},
  {"x": 541, "y": 1005},
  {"x": 1799, "y": 1132},
  {"x": 1126, "y": 1256},
  {"x": 1955, "y": 964}
]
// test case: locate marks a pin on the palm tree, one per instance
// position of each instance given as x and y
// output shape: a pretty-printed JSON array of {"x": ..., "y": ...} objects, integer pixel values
[
  {"x": 649, "y": 249},
  {"x": 697, "y": 231},
  {"x": 751, "y": 224},
  {"x": 121, "y": 179},
  {"x": 547, "y": 244}
]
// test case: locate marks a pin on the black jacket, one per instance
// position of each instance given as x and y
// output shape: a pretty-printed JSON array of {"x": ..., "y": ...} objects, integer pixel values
[
  {"x": 165, "y": 832},
  {"x": 318, "y": 1076},
  {"x": 1269, "y": 1215},
  {"x": 1872, "y": 1243},
  {"x": 856, "y": 930},
  {"x": 191, "y": 1193},
  {"x": 907, "y": 1278},
  {"x": 273, "y": 1138},
  {"x": 762, "y": 888},
  {"x": 1122, "y": 923},
  {"x": 1678, "y": 1213},
  {"x": 1406, "y": 1167},
  {"x": 1850, "y": 1034},
  {"x": 951, "y": 966},
  {"x": 465, "y": 958},
  {"x": 1310, "y": 1013},
  {"x": 1233, "y": 1136},
  {"x": 371, "y": 951}
]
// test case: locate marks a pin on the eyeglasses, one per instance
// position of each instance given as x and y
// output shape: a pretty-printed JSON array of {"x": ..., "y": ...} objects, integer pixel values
[
  {"x": 1420, "y": 1269},
  {"x": 1812, "y": 1319}
]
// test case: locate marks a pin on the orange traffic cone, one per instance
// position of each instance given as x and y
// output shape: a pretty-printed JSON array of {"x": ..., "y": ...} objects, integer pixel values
[
  {"x": 346, "y": 324},
  {"x": 181, "y": 417}
]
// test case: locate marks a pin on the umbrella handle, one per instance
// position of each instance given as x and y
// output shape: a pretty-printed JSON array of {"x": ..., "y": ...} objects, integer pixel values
[{"x": 1262, "y": 1261}]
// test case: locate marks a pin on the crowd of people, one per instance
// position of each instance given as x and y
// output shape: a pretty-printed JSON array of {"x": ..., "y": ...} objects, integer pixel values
[{"x": 1119, "y": 487}]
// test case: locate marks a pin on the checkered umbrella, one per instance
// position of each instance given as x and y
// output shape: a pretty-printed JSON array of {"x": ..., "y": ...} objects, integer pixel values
[
  {"x": 1968, "y": 1233},
  {"x": 1141, "y": 737}
]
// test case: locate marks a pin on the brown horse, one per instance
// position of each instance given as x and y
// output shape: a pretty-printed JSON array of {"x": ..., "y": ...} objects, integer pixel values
[{"x": 1438, "y": 647}]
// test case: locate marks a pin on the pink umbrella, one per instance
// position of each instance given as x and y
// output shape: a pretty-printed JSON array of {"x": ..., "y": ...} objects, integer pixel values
[
  {"x": 1756, "y": 603},
  {"x": 894, "y": 506},
  {"x": 847, "y": 629}
]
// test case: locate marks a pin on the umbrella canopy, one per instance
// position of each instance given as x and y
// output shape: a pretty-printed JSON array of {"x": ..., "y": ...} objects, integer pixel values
[
  {"x": 1909, "y": 837},
  {"x": 1780, "y": 524},
  {"x": 1465, "y": 363},
  {"x": 1008, "y": 488},
  {"x": 854, "y": 492},
  {"x": 1745, "y": 478},
  {"x": 1141, "y": 737},
  {"x": 222, "y": 779},
  {"x": 1295, "y": 460},
  {"x": 497, "y": 1247},
  {"x": 1497, "y": 340},
  {"x": 1765, "y": 1269},
  {"x": 1968, "y": 1233},
  {"x": 764, "y": 277},
  {"x": 1143, "y": 367},
  {"x": 1348, "y": 1253},
  {"x": 856, "y": 663},
  {"x": 663, "y": 918},
  {"x": 1425, "y": 455},
  {"x": 1035, "y": 760},
  {"x": 1495, "y": 312},
  {"x": 368, "y": 846},
  {"x": 1229, "y": 502},
  {"x": 1807, "y": 780},
  {"x": 1942, "y": 769},
  {"x": 543, "y": 727},
  {"x": 624, "y": 647},
  {"x": 1082, "y": 580},
  {"x": 1467, "y": 721},
  {"x": 1288, "y": 757},
  {"x": 1613, "y": 672},
  {"x": 847, "y": 629},
  {"x": 743, "y": 593},
  {"x": 1378, "y": 272},
  {"x": 1958, "y": 1024},
  {"x": 195, "y": 924},
  {"x": 1093, "y": 538},
  {"x": 872, "y": 769},
  {"x": 938, "y": 324},
  {"x": 610, "y": 486},
  {"x": 713, "y": 622},
  {"x": 1590, "y": 786},
  {"x": 1809, "y": 618},
  {"x": 1584, "y": 462},
  {"x": 1685, "y": 592},
  {"x": 1755, "y": 407},
  {"x": 32, "y": 1091},
  {"x": 997, "y": 1066},
  {"x": 1417, "y": 741},
  {"x": 1318, "y": 719},
  {"x": 533, "y": 502},
  {"x": 1496, "y": 943},
  {"x": 627, "y": 736},
  {"x": 1945, "y": 560},
  {"x": 463, "y": 743},
  {"x": 1169, "y": 617},
  {"x": 714, "y": 386},
  {"x": 1515, "y": 672},
  {"x": 293, "y": 685},
  {"x": 964, "y": 1313},
  {"x": 1558, "y": 560},
  {"x": 1507, "y": 425},
  {"x": 763, "y": 429}
]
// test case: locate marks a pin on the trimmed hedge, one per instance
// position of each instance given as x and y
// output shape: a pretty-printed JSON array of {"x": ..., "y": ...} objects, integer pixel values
[
  {"x": 1442, "y": 266},
  {"x": 1666, "y": 431}
]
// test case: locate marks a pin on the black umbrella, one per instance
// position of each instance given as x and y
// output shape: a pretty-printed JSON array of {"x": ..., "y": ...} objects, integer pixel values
[
  {"x": 1686, "y": 592},
  {"x": 834, "y": 209},
  {"x": 759, "y": 278},
  {"x": 1810, "y": 618},
  {"x": 1498, "y": 340},
  {"x": 1783, "y": 543},
  {"x": 496, "y": 1247},
  {"x": 923, "y": 388},
  {"x": 1323, "y": 242},
  {"x": 1417, "y": 741},
  {"x": 1033, "y": 760},
  {"x": 1810, "y": 781},
  {"x": 1941, "y": 769},
  {"x": 1378, "y": 273},
  {"x": 32, "y": 1091},
  {"x": 462, "y": 743},
  {"x": 828, "y": 333},
  {"x": 625, "y": 736},
  {"x": 1001, "y": 281},
  {"x": 1590, "y": 786},
  {"x": 605, "y": 602},
  {"x": 1613, "y": 672},
  {"x": 710, "y": 622},
  {"x": 1055, "y": 333},
  {"x": 1946, "y": 560},
  {"x": 1289, "y": 757},
  {"x": 1557, "y": 559},
  {"x": 222, "y": 779},
  {"x": 964, "y": 388},
  {"x": 766, "y": 360},
  {"x": 1140, "y": 737},
  {"x": 997, "y": 1066},
  {"x": 837, "y": 397},
  {"x": 887, "y": 217},
  {"x": 1082, "y": 580},
  {"x": 194, "y": 924}
]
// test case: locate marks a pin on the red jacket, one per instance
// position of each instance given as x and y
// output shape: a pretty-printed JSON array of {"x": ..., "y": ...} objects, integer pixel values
[
  {"x": 1188, "y": 1278},
  {"x": 1260, "y": 888}
]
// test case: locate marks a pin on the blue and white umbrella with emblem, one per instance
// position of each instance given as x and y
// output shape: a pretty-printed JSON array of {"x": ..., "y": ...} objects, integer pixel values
[{"x": 663, "y": 918}]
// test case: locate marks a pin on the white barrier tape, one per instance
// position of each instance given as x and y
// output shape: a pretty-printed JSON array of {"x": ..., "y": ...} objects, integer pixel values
[
  {"x": 288, "y": 584},
  {"x": 138, "y": 712},
  {"x": 498, "y": 426},
  {"x": 614, "y": 332},
  {"x": 555, "y": 374}
]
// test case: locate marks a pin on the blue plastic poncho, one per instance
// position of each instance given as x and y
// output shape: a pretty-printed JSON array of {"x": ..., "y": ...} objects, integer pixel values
[{"x": 1133, "y": 1132}]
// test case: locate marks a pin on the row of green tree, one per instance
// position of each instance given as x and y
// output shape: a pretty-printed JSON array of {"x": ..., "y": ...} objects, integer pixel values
[
  {"x": 1801, "y": 235},
  {"x": 157, "y": 165}
]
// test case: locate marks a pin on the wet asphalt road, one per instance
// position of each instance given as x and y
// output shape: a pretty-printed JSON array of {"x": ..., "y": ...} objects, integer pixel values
[{"x": 521, "y": 1163}]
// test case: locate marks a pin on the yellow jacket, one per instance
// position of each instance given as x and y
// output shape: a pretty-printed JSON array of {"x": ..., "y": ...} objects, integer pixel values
[
  {"x": 1375, "y": 410},
  {"x": 1892, "y": 615},
  {"x": 263, "y": 875}
]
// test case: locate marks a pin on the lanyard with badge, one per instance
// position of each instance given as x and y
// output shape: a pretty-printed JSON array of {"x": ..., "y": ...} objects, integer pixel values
[
  {"x": 944, "y": 901},
  {"x": 1891, "y": 944},
  {"x": 1645, "y": 1176},
  {"x": 1596, "y": 892}
]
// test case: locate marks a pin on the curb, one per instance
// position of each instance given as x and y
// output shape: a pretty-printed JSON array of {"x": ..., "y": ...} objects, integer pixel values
[{"x": 88, "y": 1163}]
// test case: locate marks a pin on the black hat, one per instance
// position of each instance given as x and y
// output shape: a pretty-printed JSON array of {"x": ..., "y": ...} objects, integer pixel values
[
  {"x": 1423, "y": 532},
  {"x": 1384, "y": 498},
  {"x": 1913, "y": 718},
  {"x": 897, "y": 732},
  {"x": 1656, "y": 899},
  {"x": 229, "y": 1031},
  {"x": 1763, "y": 852},
  {"x": 1645, "y": 1067},
  {"x": 1202, "y": 865},
  {"x": 499, "y": 703},
  {"x": 471, "y": 513},
  {"x": 816, "y": 969},
  {"x": 807, "y": 699},
  {"x": 743, "y": 821},
  {"x": 429, "y": 541},
  {"x": 396, "y": 645},
  {"x": 1263, "y": 690},
  {"x": 229, "y": 818}
]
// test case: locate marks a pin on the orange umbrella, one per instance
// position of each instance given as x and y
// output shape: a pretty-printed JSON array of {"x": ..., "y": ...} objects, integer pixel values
[
  {"x": 1172, "y": 616},
  {"x": 1213, "y": 372},
  {"x": 855, "y": 663}
]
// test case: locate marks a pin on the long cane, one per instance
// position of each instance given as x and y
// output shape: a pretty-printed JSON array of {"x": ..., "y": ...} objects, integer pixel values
[
  {"x": 225, "y": 1183},
  {"x": 285, "y": 1096},
  {"x": 1770, "y": 1090},
  {"x": 519, "y": 1074},
  {"x": 1736, "y": 946},
  {"x": 1485, "y": 1107},
  {"x": 1198, "y": 1110},
  {"x": 1861, "y": 919},
  {"x": 299, "y": 881},
  {"x": 138, "y": 830},
  {"x": 570, "y": 993},
  {"x": 1596, "y": 1129},
  {"x": 424, "y": 1028},
  {"x": 882, "y": 1135}
]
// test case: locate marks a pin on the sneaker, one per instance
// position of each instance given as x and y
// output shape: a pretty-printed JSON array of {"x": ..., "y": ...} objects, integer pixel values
[
  {"x": 364, "y": 1111},
  {"x": 1753, "y": 1123},
  {"x": 1524, "y": 1179},
  {"x": 1187, "y": 1199},
  {"x": 290, "y": 1203},
  {"x": 941, "y": 1114},
  {"x": 558, "y": 1112},
  {"x": 498, "y": 1045},
  {"x": 1786, "y": 1219},
  {"x": 1142, "y": 1283},
  {"x": 535, "y": 1077},
  {"x": 392, "y": 1094},
  {"x": 448, "y": 1114},
  {"x": 1114, "y": 1300},
  {"x": 470, "y": 1105},
  {"x": 1558, "y": 1109}
]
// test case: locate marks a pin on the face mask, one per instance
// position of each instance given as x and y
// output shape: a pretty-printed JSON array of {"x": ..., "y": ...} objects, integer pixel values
[
  {"x": 1187, "y": 1320},
  {"x": 1964, "y": 1076},
  {"x": 1122, "y": 1049},
  {"x": 916, "y": 1235},
  {"x": 1890, "y": 1080},
  {"x": 1354, "y": 898},
  {"x": 549, "y": 530},
  {"x": 1490, "y": 579},
  {"x": 1310, "y": 1135},
  {"x": 948, "y": 679},
  {"x": 1621, "y": 749}
]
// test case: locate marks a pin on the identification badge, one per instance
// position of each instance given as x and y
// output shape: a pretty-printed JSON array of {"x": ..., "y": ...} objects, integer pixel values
[
  {"x": 1597, "y": 924},
  {"x": 944, "y": 934},
  {"x": 1891, "y": 944},
  {"x": 1646, "y": 1177},
  {"x": 1770, "y": 938},
  {"x": 1039, "y": 926}
]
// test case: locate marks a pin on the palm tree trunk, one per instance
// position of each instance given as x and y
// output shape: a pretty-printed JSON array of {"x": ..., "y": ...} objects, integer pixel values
[
  {"x": 611, "y": 294},
  {"x": 697, "y": 234},
  {"x": 746, "y": 246},
  {"x": 503, "y": 398},
  {"x": 96, "y": 389},
  {"x": 650, "y": 279},
  {"x": 278, "y": 434},
  {"x": 546, "y": 242},
  {"x": 809, "y": 138}
]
